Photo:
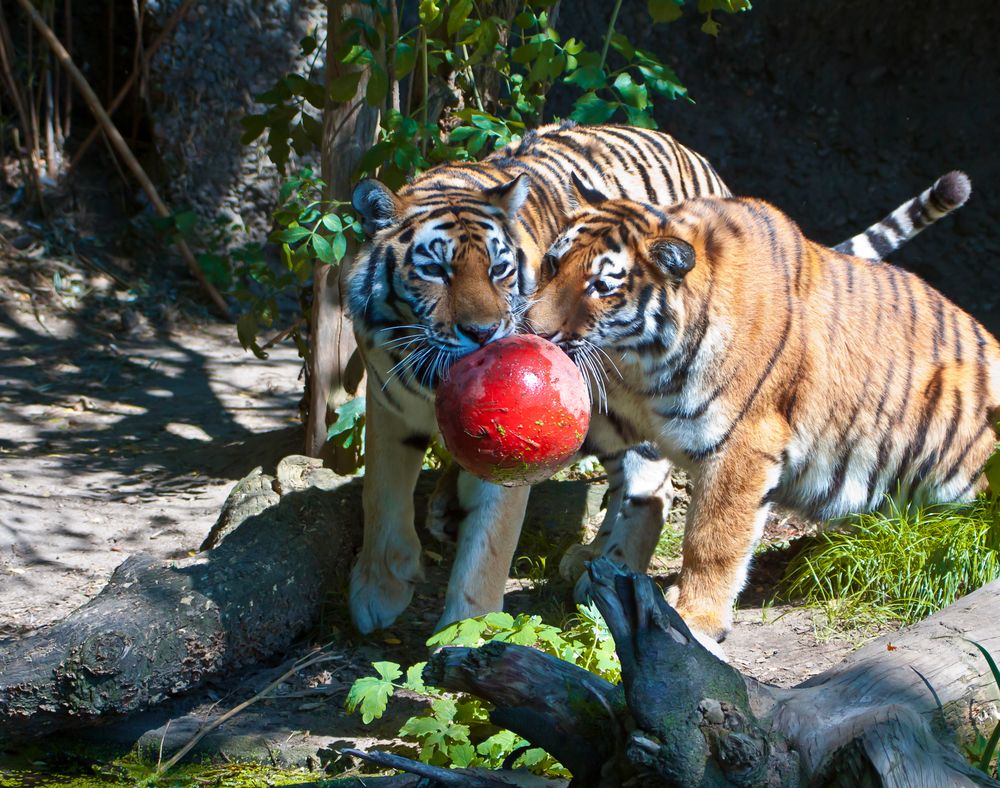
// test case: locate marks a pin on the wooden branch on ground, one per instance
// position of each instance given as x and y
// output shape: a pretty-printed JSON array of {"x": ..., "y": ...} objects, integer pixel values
[
  {"x": 888, "y": 715},
  {"x": 121, "y": 148},
  {"x": 160, "y": 628}
]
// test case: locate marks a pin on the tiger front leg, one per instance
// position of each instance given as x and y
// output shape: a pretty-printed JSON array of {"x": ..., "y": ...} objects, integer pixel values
[
  {"x": 725, "y": 520},
  {"x": 487, "y": 537},
  {"x": 389, "y": 565}
]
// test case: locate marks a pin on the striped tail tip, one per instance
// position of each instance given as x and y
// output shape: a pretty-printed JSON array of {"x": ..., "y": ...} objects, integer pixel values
[
  {"x": 949, "y": 192},
  {"x": 952, "y": 190}
]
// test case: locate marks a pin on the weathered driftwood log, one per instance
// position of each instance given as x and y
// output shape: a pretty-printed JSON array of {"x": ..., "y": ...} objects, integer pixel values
[
  {"x": 160, "y": 628},
  {"x": 891, "y": 714}
]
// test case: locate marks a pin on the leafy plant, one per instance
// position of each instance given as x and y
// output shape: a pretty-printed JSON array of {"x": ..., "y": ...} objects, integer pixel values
[
  {"x": 455, "y": 729},
  {"x": 900, "y": 565}
]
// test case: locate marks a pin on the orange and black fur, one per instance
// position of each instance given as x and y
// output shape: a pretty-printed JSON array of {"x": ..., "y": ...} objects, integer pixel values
[{"x": 776, "y": 370}]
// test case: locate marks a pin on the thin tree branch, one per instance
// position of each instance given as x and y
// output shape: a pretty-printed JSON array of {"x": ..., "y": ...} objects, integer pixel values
[
  {"x": 121, "y": 148},
  {"x": 125, "y": 89}
]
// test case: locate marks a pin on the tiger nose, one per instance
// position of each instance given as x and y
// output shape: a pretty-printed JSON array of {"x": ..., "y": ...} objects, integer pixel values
[{"x": 477, "y": 332}]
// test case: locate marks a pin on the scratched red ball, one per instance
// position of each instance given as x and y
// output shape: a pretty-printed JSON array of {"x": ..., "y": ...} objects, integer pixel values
[{"x": 515, "y": 411}]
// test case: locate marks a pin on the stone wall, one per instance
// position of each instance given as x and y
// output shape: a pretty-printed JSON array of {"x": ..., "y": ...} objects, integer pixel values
[{"x": 203, "y": 81}]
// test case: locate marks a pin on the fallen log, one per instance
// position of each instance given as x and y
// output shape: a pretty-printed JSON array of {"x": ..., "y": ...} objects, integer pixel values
[
  {"x": 161, "y": 628},
  {"x": 892, "y": 714}
]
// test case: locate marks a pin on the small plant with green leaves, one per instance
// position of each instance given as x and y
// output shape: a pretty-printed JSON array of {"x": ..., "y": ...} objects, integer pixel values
[
  {"x": 309, "y": 228},
  {"x": 455, "y": 730},
  {"x": 901, "y": 565}
]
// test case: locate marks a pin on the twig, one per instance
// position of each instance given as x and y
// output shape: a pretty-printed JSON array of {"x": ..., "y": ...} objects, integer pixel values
[
  {"x": 317, "y": 657},
  {"x": 121, "y": 148},
  {"x": 14, "y": 88},
  {"x": 609, "y": 33},
  {"x": 282, "y": 335},
  {"x": 168, "y": 28}
]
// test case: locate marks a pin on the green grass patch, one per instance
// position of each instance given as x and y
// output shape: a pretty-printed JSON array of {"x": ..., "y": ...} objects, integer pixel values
[{"x": 898, "y": 566}]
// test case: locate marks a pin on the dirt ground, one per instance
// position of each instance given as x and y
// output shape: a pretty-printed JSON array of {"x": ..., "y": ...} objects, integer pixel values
[{"x": 123, "y": 434}]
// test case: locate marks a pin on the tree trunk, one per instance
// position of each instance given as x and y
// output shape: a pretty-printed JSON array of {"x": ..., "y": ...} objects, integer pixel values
[
  {"x": 349, "y": 130},
  {"x": 890, "y": 714},
  {"x": 160, "y": 628}
]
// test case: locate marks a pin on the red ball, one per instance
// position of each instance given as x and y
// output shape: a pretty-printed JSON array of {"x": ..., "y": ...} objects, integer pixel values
[{"x": 515, "y": 411}]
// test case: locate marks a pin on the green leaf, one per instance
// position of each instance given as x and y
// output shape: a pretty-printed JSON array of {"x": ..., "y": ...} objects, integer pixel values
[
  {"x": 343, "y": 87},
  {"x": 339, "y": 246},
  {"x": 429, "y": 11},
  {"x": 664, "y": 10},
  {"x": 308, "y": 45},
  {"x": 314, "y": 94},
  {"x": 711, "y": 27},
  {"x": 388, "y": 670},
  {"x": 461, "y": 133},
  {"x": 372, "y": 695},
  {"x": 459, "y": 13},
  {"x": 525, "y": 53},
  {"x": 415, "y": 679},
  {"x": 313, "y": 130},
  {"x": 332, "y": 222},
  {"x": 405, "y": 58},
  {"x": 499, "y": 620},
  {"x": 275, "y": 95},
  {"x": 992, "y": 471},
  {"x": 347, "y": 416},
  {"x": 632, "y": 94},
  {"x": 525, "y": 19},
  {"x": 322, "y": 248},
  {"x": 467, "y": 632},
  {"x": 246, "y": 330},
  {"x": 588, "y": 77},
  {"x": 254, "y": 125},
  {"x": 184, "y": 223},
  {"x": 292, "y": 234},
  {"x": 378, "y": 86},
  {"x": 589, "y": 108},
  {"x": 462, "y": 754}
]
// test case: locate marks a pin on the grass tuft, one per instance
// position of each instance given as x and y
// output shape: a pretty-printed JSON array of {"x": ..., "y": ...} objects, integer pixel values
[{"x": 901, "y": 565}]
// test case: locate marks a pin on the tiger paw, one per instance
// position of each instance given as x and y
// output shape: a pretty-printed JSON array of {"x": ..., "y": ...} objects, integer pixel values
[
  {"x": 706, "y": 624},
  {"x": 377, "y": 596},
  {"x": 573, "y": 562}
]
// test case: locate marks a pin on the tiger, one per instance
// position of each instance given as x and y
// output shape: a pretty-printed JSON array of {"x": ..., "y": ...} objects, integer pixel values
[
  {"x": 775, "y": 370},
  {"x": 449, "y": 264}
]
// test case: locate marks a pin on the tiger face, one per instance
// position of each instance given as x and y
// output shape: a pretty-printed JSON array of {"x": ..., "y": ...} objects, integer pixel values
[
  {"x": 441, "y": 273},
  {"x": 611, "y": 278}
]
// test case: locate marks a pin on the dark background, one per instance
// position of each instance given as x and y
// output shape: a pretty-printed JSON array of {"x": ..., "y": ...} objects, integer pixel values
[{"x": 839, "y": 111}]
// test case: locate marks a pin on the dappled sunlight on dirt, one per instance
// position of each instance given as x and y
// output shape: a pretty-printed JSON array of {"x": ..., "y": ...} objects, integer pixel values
[{"x": 115, "y": 444}]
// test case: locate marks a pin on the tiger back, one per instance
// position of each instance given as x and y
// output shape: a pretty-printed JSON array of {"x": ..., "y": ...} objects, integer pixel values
[{"x": 776, "y": 370}]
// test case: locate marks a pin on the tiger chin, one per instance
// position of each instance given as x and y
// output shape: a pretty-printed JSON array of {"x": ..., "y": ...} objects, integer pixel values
[{"x": 775, "y": 370}]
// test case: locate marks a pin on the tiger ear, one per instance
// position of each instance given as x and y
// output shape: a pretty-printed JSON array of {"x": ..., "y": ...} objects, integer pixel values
[
  {"x": 582, "y": 194},
  {"x": 510, "y": 196},
  {"x": 672, "y": 256},
  {"x": 376, "y": 204}
]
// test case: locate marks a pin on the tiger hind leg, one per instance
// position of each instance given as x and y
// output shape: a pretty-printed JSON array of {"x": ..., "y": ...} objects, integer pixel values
[{"x": 640, "y": 495}]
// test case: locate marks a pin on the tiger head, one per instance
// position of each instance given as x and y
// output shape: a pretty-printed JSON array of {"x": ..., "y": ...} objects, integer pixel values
[
  {"x": 441, "y": 272},
  {"x": 612, "y": 278}
]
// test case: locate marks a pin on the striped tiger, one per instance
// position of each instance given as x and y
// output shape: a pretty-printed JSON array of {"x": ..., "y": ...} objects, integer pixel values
[
  {"x": 449, "y": 264},
  {"x": 773, "y": 369}
]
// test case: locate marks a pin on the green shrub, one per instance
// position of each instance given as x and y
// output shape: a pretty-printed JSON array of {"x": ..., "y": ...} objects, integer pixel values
[{"x": 454, "y": 730}]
